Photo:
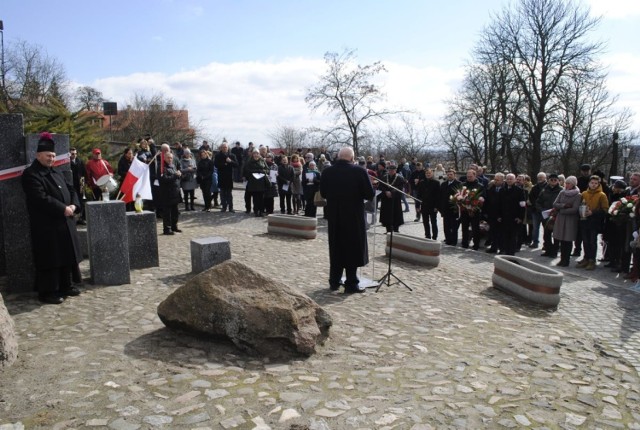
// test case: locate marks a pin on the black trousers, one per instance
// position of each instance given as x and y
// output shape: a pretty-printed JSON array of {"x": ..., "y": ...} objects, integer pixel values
[
  {"x": 430, "y": 223},
  {"x": 55, "y": 280},
  {"x": 257, "y": 198},
  {"x": 285, "y": 196},
  {"x": 335, "y": 275},
  {"x": 170, "y": 218},
  {"x": 451, "y": 224},
  {"x": 474, "y": 222}
]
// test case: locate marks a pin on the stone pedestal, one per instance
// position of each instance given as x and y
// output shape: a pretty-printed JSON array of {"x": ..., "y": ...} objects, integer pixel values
[
  {"x": 208, "y": 252},
  {"x": 143, "y": 240},
  {"x": 108, "y": 242},
  {"x": 291, "y": 225}
]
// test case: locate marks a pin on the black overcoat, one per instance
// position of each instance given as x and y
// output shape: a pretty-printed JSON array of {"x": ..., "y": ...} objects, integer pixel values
[
  {"x": 391, "y": 207},
  {"x": 169, "y": 185},
  {"x": 54, "y": 237},
  {"x": 428, "y": 190},
  {"x": 346, "y": 187},
  {"x": 225, "y": 169}
]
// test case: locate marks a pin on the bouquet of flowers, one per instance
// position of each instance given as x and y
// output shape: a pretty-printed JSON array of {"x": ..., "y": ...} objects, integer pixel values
[
  {"x": 622, "y": 210},
  {"x": 470, "y": 201}
]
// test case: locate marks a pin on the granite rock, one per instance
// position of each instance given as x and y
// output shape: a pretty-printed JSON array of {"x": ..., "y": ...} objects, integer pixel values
[{"x": 258, "y": 314}]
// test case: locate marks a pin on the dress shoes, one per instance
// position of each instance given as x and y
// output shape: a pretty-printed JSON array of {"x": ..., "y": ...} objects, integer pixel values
[
  {"x": 72, "y": 291},
  {"x": 334, "y": 287},
  {"x": 51, "y": 299},
  {"x": 356, "y": 289},
  {"x": 176, "y": 230},
  {"x": 491, "y": 251},
  {"x": 576, "y": 253},
  {"x": 562, "y": 263},
  {"x": 168, "y": 233}
]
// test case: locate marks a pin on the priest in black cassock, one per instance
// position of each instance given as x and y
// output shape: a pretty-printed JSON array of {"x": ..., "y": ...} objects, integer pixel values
[{"x": 51, "y": 204}]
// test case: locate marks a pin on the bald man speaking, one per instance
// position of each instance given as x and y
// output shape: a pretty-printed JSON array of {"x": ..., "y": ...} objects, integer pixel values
[{"x": 346, "y": 186}]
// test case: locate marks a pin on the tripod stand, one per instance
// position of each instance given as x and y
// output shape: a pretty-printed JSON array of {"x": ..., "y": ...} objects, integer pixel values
[{"x": 387, "y": 276}]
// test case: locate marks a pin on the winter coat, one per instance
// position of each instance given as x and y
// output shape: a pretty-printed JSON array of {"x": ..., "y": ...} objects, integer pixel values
[
  {"x": 346, "y": 186},
  {"x": 566, "y": 223},
  {"x": 169, "y": 185},
  {"x": 391, "y": 207},
  {"x": 285, "y": 176},
  {"x": 188, "y": 169},
  {"x": 428, "y": 190},
  {"x": 54, "y": 237},
  {"x": 296, "y": 185},
  {"x": 547, "y": 197},
  {"x": 225, "y": 169},
  {"x": 256, "y": 166}
]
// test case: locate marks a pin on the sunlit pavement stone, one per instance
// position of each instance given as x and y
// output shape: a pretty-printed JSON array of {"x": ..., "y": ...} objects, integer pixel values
[{"x": 452, "y": 353}]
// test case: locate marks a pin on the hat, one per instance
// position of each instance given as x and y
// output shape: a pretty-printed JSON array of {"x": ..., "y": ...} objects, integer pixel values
[
  {"x": 46, "y": 144},
  {"x": 96, "y": 151},
  {"x": 571, "y": 180},
  {"x": 585, "y": 167},
  {"x": 619, "y": 184},
  {"x": 553, "y": 176},
  {"x": 392, "y": 166}
]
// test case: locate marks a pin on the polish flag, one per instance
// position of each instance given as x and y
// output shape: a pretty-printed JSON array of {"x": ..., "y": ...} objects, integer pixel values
[{"x": 136, "y": 182}]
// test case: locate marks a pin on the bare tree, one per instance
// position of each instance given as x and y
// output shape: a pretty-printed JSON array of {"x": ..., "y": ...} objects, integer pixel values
[
  {"x": 88, "y": 98},
  {"x": 347, "y": 91},
  {"x": 153, "y": 114},
  {"x": 288, "y": 138},
  {"x": 31, "y": 78},
  {"x": 542, "y": 42},
  {"x": 408, "y": 138}
]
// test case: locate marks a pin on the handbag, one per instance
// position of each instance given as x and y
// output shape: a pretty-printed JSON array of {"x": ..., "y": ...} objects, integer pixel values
[{"x": 318, "y": 200}]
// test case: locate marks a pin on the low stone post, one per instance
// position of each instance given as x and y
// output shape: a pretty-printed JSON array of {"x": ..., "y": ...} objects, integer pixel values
[{"x": 108, "y": 242}]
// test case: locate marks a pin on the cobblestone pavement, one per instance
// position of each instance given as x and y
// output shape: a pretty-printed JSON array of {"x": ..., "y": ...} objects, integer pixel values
[{"x": 453, "y": 353}]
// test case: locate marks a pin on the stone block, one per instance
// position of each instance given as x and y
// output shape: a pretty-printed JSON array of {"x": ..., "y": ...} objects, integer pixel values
[
  {"x": 527, "y": 280},
  {"x": 108, "y": 242},
  {"x": 143, "y": 240},
  {"x": 8, "y": 339},
  {"x": 415, "y": 250},
  {"x": 208, "y": 252},
  {"x": 291, "y": 225},
  {"x": 83, "y": 239}
]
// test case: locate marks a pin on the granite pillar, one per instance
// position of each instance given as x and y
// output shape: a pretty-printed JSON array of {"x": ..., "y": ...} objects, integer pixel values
[
  {"x": 143, "y": 240},
  {"x": 108, "y": 242},
  {"x": 208, "y": 252}
]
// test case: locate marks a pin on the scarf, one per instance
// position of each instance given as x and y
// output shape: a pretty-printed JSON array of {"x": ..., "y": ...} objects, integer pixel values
[
  {"x": 296, "y": 164},
  {"x": 572, "y": 192}
]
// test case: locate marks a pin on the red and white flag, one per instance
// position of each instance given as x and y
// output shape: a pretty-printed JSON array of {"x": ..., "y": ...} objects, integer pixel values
[{"x": 136, "y": 182}]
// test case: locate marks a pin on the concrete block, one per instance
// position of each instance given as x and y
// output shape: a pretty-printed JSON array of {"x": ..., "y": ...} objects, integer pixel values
[
  {"x": 528, "y": 280},
  {"x": 208, "y": 252},
  {"x": 415, "y": 250},
  {"x": 143, "y": 240},
  {"x": 291, "y": 225},
  {"x": 108, "y": 242}
]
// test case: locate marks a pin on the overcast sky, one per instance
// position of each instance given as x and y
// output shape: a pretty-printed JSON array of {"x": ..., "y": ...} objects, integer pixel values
[{"x": 243, "y": 67}]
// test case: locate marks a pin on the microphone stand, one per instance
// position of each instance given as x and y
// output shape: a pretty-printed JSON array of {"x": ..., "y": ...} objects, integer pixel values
[{"x": 387, "y": 276}]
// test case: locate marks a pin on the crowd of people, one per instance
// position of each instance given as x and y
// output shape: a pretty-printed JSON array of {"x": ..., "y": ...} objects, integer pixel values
[{"x": 565, "y": 217}]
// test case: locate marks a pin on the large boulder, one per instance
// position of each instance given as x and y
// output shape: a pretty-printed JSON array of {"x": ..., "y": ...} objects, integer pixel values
[
  {"x": 8, "y": 341},
  {"x": 258, "y": 314}
]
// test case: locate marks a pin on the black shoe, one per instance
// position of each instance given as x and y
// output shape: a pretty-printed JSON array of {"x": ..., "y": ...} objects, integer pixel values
[
  {"x": 334, "y": 287},
  {"x": 72, "y": 291},
  {"x": 491, "y": 251},
  {"x": 575, "y": 253},
  {"x": 610, "y": 264},
  {"x": 51, "y": 299},
  {"x": 475, "y": 247},
  {"x": 81, "y": 222},
  {"x": 282, "y": 211},
  {"x": 223, "y": 210},
  {"x": 562, "y": 263},
  {"x": 354, "y": 289},
  {"x": 465, "y": 245},
  {"x": 168, "y": 233},
  {"x": 176, "y": 230},
  {"x": 533, "y": 245},
  {"x": 416, "y": 220},
  {"x": 231, "y": 211}
]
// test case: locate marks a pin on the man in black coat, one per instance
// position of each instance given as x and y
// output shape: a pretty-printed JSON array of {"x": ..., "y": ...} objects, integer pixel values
[
  {"x": 510, "y": 214},
  {"x": 169, "y": 194},
  {"x": 238, "y": 152},
  {"x": 346, "y": 186},
  {"x": 491, "y": 210},
  {"x": 429, "y": 192},
  {"x": 51, "y": 205},
  {"x": 449, "y": 212},
  {"x": 225, "y": 162},
  {"x": 471, "y": 218}
]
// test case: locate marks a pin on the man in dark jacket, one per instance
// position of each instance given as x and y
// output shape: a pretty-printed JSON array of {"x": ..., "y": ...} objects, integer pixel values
[
  {"x": 510, "y": 214},
  {"x": 238, "y": 152},
  {"x": 225, "y": 162},
  {"x": 170, "y": 195},
  {"x": 544, "y": 202},
  {"x": 472, "y": 218},
  {"x": 491, "y": 210},
  {"x": 428, "y": 191},
  {"x": 536, "y": 216},
  {"x": 346, "y": 186},
  {"x": 449, "y": 212},
  {"x": 51, "y": 204}
]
